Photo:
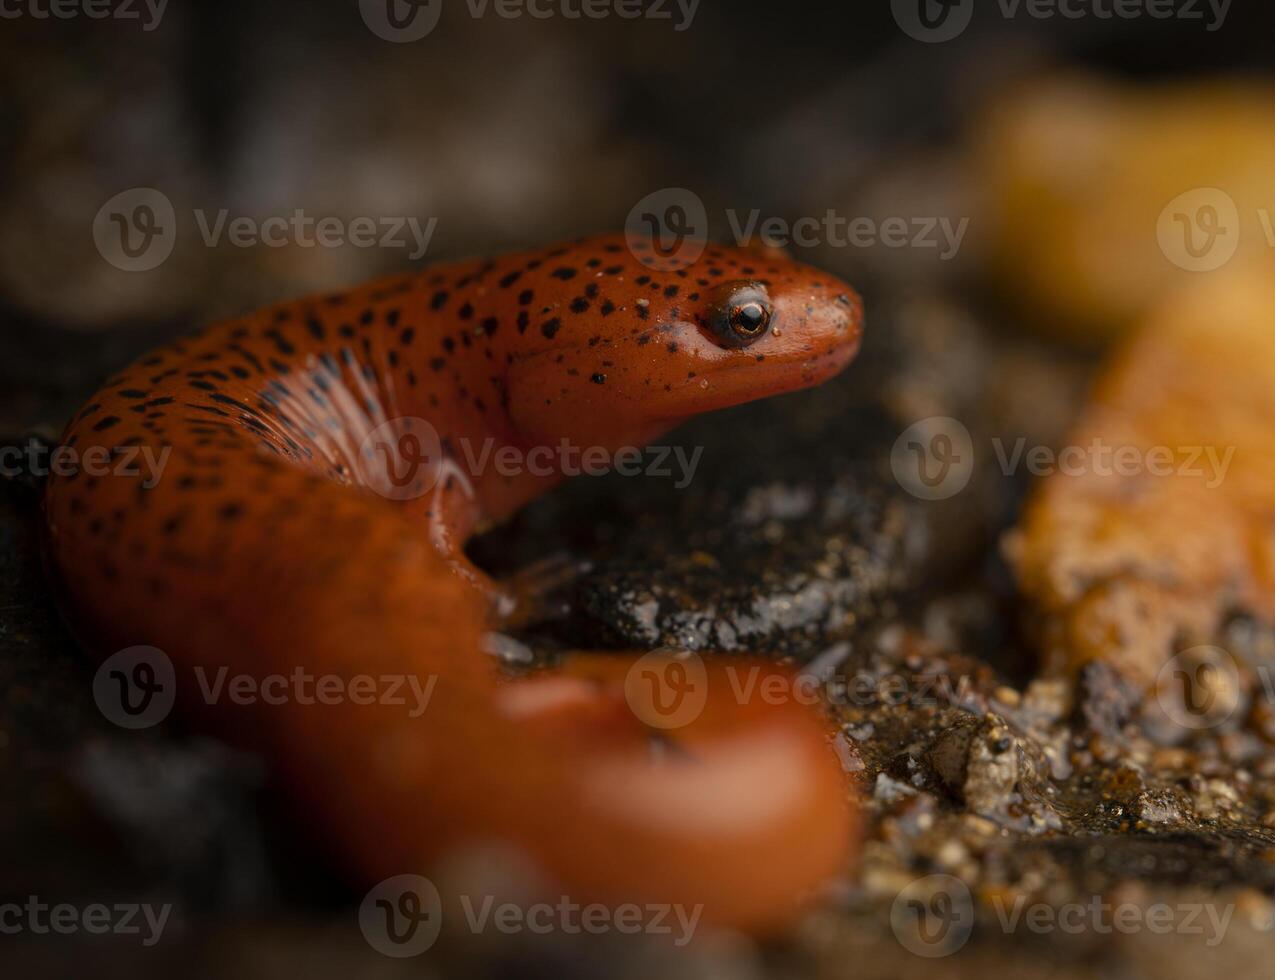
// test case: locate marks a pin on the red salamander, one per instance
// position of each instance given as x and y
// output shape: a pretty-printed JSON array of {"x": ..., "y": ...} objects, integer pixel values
[{"x": 312, "y": 511}]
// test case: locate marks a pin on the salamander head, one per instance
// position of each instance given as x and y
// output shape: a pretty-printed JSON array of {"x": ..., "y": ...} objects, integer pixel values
[{"x": 655, "y": 348}]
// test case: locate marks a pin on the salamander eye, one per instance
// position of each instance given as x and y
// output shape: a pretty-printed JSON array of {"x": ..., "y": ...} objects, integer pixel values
[{"x": 739, "y": 313}]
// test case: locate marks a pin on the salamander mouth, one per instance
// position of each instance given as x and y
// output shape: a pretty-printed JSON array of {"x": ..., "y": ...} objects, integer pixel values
[{"x": 744, "y": 376}]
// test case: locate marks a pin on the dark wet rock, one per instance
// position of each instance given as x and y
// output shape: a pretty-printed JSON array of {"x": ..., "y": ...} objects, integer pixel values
[{"x": 187, "y": 811}]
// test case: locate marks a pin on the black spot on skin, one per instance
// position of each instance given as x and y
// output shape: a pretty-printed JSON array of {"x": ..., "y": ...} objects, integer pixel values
[
  {"x": 579, "y": 305},
  {"x": 524, "y": 320},
  {"x": 392, "y": 318},
  {"x": 591, "y": 290},
  {"x": 103, "y": 424},
  {"x": 449, "y": 345},
  {"x": 365, "y": 318},
  {"x": 438, "y": 363},
  {"x": 315, "y": 326},
  {"x": 564, "y": 273},
  {"x": 439, "y": 300},
  {"x": 598, "y": 378},
  {"x": 672, "y": 348},
  {"x": 230, "y": 512},
  {"x": 550, "y": 327},
  {"x": 133, "y": 393},
  {"x": 407, "y": 336},
  {"x": 525, "y": 297},
  {"x": 490, "y": 325},
  {"x": 607, "y": 307},
  {"x": 466, "y": 312},
  {"x": 670, "y": 291},
  {"x": 510, "y": 279}
]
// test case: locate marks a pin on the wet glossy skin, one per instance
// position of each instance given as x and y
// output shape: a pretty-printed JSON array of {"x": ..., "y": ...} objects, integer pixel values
[{"x": 261, "y": 548}]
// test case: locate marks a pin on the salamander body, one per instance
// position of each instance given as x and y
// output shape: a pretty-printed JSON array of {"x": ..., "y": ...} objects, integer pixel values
[{"x": 312, "y": 511}]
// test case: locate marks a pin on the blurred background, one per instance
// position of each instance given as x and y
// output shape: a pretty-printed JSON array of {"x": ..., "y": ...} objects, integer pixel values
[{"x": 1026, "y": 164}]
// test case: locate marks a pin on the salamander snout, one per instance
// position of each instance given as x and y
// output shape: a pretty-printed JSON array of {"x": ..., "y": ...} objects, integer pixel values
[{"x": 754, "y": 337}]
